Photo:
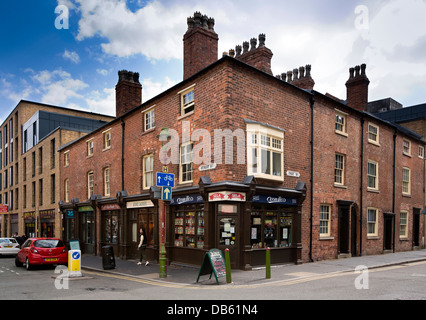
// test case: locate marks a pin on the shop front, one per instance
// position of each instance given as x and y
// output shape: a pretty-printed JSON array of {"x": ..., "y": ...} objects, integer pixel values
[
  {"x": 110, "y": 232},
  {"x": 244, "y": 218},
  {"x": 29, "y": 222},
  {"x": 142, "y": 214},
  {"x": 47, "y": 223},
  {"x": 86, "y": 220}
]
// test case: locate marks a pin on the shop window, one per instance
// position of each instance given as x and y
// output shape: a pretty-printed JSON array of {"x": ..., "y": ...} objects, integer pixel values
[
  {"x": 110, "y": 227},
  {"x": 189, "y": 226},
  {"x": 271, "y": 226}
]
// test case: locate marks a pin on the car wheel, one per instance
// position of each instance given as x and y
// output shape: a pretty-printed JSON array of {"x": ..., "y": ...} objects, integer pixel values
[
  {"x": 17, "y": 262},
  {"x": 28, "y": 265}
]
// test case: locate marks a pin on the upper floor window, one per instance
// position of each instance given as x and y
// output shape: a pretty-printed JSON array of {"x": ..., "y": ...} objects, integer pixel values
[
  {"x": 185, "y": 172},
  {"x": 340, "y": 124},
  {"x": 148, "y": 171},
  {"x": 325, "y": 220},
  {"x": 421, "y": 152},
  {"x": 66, "y": 158},
  {"x": 90, "y": 147},
  {"x": 149, "y": 119},
  {"x": 406, "y": 147},
  {"x": 339, "y": 169},
  {"x": 406, "y": 184},
  {"x": 265, "y": 152},
  {"x": 90, "y": 185},
  {"x": 187, "y": 100},
  {"x": 107, "y": 139},
  {"x": 373, "y": 175},
  {"x": 373, "y": 133},
  {"x": 107, "y": 185}
]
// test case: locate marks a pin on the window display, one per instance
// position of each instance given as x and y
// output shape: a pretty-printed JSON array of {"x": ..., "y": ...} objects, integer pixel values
[
  {"x": 189, "y": 227},
  {"x": 271, "y": 226}
]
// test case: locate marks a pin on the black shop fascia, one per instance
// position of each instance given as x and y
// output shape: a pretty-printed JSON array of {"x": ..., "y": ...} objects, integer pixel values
[{"x": 244, "y": 217}]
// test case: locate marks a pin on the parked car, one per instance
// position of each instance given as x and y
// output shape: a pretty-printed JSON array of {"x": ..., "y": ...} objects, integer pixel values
[
  {"x": 42, "y": 251},
  {"x": 9, "y": 246}
]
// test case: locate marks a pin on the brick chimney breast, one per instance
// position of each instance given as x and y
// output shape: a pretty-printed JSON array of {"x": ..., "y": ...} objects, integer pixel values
[
  {"x": 128, "y": 92},
  {"x": 200, "y": 44},
  {"x": 357, "y": 88},
  {"x": 257, "y": 56}
]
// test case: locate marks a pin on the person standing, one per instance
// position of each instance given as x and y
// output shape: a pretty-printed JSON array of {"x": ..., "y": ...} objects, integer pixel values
[{"x": 142, "y": 246}]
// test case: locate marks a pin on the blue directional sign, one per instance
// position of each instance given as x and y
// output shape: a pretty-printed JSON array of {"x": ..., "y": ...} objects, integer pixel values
[
  {"x": 166, "y": 193},
  {"x": 165, "y": 180}
]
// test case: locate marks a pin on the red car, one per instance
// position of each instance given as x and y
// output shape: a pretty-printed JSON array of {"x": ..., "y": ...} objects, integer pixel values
[{"x": 42, "y": 251}]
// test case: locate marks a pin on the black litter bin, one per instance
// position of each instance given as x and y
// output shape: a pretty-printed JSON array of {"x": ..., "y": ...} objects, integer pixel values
[{"x": 108, "y": 260}]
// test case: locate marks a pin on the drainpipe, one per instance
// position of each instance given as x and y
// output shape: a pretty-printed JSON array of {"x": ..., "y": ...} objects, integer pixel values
[
  {"x": 361, "y": 199},
  {"x": 312, "y": 103},
  {"x": 123, "y": 126},
  {"x": 393, "y": 187}
]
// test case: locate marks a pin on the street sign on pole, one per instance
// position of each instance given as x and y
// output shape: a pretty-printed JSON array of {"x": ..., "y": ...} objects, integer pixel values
[
  {"x": 166, "y": 193},
  {"x": 165, "y": 180}
]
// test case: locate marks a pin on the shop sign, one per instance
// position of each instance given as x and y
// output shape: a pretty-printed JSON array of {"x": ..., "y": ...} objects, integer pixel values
[
  {"x": 69, "y": 214},
  {"x": 188, "y": 199},
  {"x": 3, "y": 208},
  {"x": 47, "y": 214},
  {"x": 29, "y": 217},
  {"x": 213, "y": 262},
  {"x": 260, "y": 198},
  {"x": 227, "y": 196},
  {"x": 110, "y": 207},
  {"x": 140, "y": 204},
  {"x": 85, "y": 209}
]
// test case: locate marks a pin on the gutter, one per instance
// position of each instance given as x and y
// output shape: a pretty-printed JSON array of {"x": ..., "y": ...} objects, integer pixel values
[
  {"x": 123, "y": 126},
  {"x": 361, "y": 198}
]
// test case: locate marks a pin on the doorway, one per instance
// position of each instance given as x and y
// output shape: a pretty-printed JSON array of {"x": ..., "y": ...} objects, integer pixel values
[
  {"x": 227, "y": 236},
  {"x": 343, "y": 230},
  {"x": 416, "y": 227},
  {"x": 388, "y": 232}
]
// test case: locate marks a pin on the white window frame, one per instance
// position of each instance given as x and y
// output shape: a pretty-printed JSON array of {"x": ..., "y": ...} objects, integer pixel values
[
  {"x": 66, "y": 158},
  {"x": 325, "y": 209},
  {"x": 373, "y": 137},
  {"x": 186, "y": 159},
  {"x": 90, "y": 147},
  {"x": 403, "y": 224},
  {"x": 67, "y": 190},
  {"x": 340, "y": 127},
  {"x": 406, "y": 147},
  {"x": 149, "y": 119},
  {"x": 90, "y": 184},
  {"x": 107, "y": 182},
  {"x": 372, "y": 222},
  {"x": 338, "y": 169},
  {"x": 406, "y": 183},
  {"x": 107, "y": 139},
  {"x": 187, "y": 107},
  {"x": 261, "y": 139},
  {"x": 421, "y": 152},
  {"x": 375, "y": 176},
  {"x": 148, "y": 172}
]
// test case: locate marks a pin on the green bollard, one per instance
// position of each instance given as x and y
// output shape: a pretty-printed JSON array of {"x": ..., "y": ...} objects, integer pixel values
[
  {"x": 268, "y": 263},
  {"x": 163, "y": 259},
  {"x": 228, "y": 266}
]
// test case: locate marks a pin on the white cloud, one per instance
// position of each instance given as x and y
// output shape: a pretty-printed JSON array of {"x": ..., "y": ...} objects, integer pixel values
[
  {"x": 103, "y": 72},
  {"x": 102, "y": 103},
  {"x": 152, "y": 89},
  {"x": 57, "y": 86},
  {"x": 72, "y": 56}
]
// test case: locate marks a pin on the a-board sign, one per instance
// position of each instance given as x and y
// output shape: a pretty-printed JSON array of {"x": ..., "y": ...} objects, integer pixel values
[{"x": 213, "y": 262}]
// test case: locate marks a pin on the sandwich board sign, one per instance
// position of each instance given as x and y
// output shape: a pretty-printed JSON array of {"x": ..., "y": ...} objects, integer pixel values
[{"x": 213, "y": 263}]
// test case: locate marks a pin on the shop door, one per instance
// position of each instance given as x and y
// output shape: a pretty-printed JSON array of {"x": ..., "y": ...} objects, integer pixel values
[
  {"x": 227, "y": 225},
  {"x": 344, "y": 229}
]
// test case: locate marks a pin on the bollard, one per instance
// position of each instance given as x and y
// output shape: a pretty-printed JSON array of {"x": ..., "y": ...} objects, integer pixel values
[
  {"x": 163, "y": 259},
  {"x": 228, "y": 266},
  {"x": 268, "y": 263}
]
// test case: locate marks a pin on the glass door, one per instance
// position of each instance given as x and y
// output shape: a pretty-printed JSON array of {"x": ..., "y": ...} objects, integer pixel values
[{"x": 228, "y": 231}]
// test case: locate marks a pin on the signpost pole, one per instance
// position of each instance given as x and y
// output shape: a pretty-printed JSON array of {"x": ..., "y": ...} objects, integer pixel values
[
  {"x": 228, "y": 266},
  {"x": 268, "y": 263}
]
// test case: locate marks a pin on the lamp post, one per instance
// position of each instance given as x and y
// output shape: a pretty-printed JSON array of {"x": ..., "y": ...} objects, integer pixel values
[{"x": 163, "y": 137}]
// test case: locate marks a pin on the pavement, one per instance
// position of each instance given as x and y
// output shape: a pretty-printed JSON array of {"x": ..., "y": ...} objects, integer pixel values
[{"x": 187, "y": 275}]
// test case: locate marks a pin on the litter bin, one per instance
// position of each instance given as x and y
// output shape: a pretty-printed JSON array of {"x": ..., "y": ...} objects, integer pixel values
[{"x": 108, "y": 260}]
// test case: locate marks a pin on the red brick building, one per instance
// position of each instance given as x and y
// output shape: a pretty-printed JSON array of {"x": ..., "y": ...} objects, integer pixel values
[{"x": 259, "y": 161}]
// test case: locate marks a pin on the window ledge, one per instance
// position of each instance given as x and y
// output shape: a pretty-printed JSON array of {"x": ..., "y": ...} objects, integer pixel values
[
  {"x": 186, "y": 115},
  {"x": 343, "y": 134}
]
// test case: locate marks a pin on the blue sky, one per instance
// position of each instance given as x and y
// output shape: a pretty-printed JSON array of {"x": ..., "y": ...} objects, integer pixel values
[{"x": 77, "y": 67}]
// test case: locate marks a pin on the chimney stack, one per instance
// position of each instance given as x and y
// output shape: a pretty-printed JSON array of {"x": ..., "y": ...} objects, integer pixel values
[
  {"x": 357, "y": 88},
  {"x": 257, "y": 56},
  {"x": 200, "y": 44},
  {"x": 128, "y": 92}
]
